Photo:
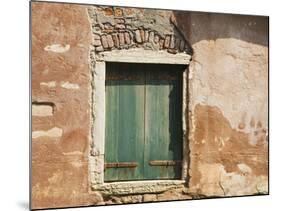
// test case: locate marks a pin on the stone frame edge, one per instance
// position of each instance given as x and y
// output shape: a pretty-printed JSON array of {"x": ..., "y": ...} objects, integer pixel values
[{"x": 96, "y": 157}]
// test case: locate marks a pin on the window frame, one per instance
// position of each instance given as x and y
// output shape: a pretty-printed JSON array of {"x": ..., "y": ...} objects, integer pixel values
[{"x": 96, "y": 158}]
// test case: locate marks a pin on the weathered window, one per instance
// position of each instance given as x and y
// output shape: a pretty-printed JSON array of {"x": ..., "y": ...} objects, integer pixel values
[{"x": 143, "y": 125}]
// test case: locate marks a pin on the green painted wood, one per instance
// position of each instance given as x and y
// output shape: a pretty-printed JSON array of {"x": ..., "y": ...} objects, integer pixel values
[
  {"x": 128, "y": 122},
  {"x": 131, "y": 122},
  {"x": 143, "y": 120},
  {"x": 163, "y": 137},
  {"x": 111, "y": 129}
]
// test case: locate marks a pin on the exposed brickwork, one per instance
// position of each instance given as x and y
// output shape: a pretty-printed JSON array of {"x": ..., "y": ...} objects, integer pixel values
[{"x": 119, "y": 29}]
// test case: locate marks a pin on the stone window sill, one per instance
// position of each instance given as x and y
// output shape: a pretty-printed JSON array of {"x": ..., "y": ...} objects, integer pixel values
[{"x": 138, "y": 187}]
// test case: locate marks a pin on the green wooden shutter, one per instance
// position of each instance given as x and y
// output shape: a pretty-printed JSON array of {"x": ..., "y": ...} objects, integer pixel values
[
  {"x": 163, "y": 137},
  {"x": 124, "y": 133},
  {"x": 143, "y": 136}
]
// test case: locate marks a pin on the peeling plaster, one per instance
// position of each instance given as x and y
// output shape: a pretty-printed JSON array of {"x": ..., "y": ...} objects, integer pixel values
[
  {"x": 42, "y": 110},
  {"x": 49, "y": 84},
  {"x": 57, "y": 48},
  {"x": 68, "y": 85},
  {"x": 55, "y": 132}
]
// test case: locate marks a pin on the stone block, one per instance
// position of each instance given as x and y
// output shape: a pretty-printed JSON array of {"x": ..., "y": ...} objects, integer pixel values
[
  {"x": 161, "y": 44},
  {"x": 121, "y": 39},
  {"x": 149, "y": 197},
  {"x": 142, "y": 34},
  {"x": 109, "y": 41},
  {"x": 156, "y": 38},
  {"x": 118, "y": 12},
  {"x": 146, "y": 35},
  {"x": 151, "y": 37},
  {"x": 138, "y": 36},
  {"x": 108, "y": 11},
  {"x": 120, "y": 26},
  {"x": 96, "y": 42},
  {"x": 127, "y": 38},
  {"x": 104, "y": 41},
  {"x": 119, "y": 21},
  {"x": 115, "y": 40},
  {"x": 99, "y": 48},
  {"x": 167, "y": 41},
  {"x": 172, "y": 42}
]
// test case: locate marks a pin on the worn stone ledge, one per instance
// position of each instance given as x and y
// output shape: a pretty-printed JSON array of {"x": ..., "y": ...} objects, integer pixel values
[
  {"x": 138, "y": 187},
  {"x": 144, "y": 56}
]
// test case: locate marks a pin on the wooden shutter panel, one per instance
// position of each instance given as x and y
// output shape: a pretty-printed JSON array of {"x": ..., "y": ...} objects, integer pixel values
[
  {"x": 124, "y": 133},
  {"x": 143, "y": 122},
  {"x": 163, "y": 139}
]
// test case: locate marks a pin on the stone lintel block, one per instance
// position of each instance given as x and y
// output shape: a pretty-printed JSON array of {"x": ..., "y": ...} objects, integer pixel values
[
  {"x": 156, "y": 38},
  {"x": 109, "y": 41},
  {"x": 104, "y": 41},
  {"x": 142, "y": 34},
  {"x": 167, "y": 41},
  {"x": 138, "y": 36},
  {"x": 121, "y": 39},
  {"x": 172, "y": 42},
  {"x": 127, "y": 38},
  {"x": 146, "y": 35},
  {"x": 151, "y": 37},
  {"x": 161, "y": 44},
  {"x": 115, "y": 40}
]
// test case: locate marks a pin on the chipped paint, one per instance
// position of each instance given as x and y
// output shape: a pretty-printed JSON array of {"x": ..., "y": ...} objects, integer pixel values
[
  {"x": 55, "y": 132},
  {"x": 244, "y": 168},
  {"x": 49, "y": 84},
  {"x": 68, "y": 85},
  {"x": 57, "y": 48}
]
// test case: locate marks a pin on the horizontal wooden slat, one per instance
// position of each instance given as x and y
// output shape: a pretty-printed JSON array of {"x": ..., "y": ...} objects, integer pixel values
[
  {"x": 121, "y": 165},
  {"x": 165, "y": 162}
]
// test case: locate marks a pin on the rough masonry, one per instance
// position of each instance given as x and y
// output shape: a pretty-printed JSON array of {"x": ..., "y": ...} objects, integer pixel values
[{"x": 227, "y": 99}]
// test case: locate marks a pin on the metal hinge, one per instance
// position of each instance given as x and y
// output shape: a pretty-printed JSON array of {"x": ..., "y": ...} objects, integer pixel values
[
  {"x": 121, "y": 165},
  {"x": 165, "y": 162}
]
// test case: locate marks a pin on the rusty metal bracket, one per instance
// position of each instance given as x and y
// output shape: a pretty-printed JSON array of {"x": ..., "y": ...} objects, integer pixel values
[
  {"x": 165, "y": 162},
  {"x": 121, "y": 165}
]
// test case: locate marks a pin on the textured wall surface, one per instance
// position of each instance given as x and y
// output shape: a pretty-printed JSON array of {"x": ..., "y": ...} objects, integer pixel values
[
  {"x": 61, "y": 104},
  {"x": 228, "y": 93}
]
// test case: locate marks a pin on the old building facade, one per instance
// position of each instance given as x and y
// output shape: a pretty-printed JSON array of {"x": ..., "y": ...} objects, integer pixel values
[{"x": 220, "y": 90}]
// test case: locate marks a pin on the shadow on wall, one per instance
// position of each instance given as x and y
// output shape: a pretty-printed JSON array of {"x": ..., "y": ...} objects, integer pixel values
[{"x": 197, "y": 26}]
